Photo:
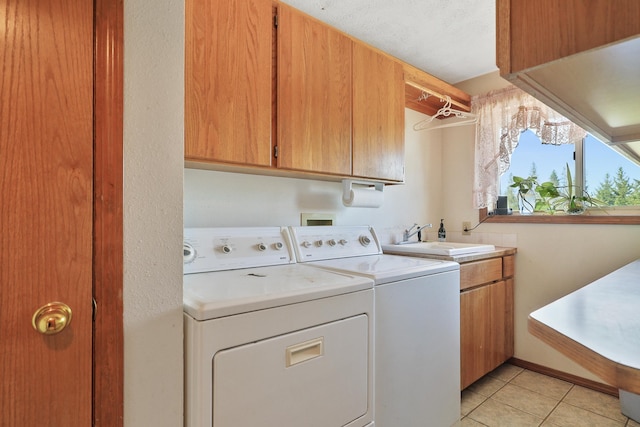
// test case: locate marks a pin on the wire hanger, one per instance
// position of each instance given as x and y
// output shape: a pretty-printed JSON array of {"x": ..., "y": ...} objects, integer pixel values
[{"x": 450, "y": 118}]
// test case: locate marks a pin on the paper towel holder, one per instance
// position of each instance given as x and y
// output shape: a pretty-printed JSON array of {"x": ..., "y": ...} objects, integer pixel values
[{"x": 347, "y": 185}]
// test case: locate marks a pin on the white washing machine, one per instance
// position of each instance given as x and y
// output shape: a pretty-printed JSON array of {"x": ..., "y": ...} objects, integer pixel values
[
  {"x": 269, "y": 342},
  {"x": 417, "y": 323}
]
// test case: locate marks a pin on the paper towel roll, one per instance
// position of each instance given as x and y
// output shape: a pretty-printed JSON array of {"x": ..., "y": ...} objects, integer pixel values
[{"x": 364, "y": 198}]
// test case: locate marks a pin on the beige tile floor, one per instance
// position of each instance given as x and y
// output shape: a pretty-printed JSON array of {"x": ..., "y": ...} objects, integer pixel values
[{"x": 513, "y": 397}]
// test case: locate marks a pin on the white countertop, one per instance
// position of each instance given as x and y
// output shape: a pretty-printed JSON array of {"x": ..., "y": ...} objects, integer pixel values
[{"x": 598, "y": 326}]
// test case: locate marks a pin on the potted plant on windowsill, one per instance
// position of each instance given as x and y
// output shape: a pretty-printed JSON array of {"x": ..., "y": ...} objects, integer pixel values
[{"x": 551, "y": 198}]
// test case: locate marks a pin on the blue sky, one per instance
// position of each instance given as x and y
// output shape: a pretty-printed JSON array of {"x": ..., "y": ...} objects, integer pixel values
[{"x": 600, "y": 159}]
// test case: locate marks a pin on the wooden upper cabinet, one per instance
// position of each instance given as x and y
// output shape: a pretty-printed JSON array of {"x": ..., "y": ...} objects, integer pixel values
[
  {"x": 532, "y": 33},
  {"x": 314, "y": 95},
  {"x": 580, "y": 57},
  {"x": 228, "y": 81},
  {"x": 378, "y": 115}
]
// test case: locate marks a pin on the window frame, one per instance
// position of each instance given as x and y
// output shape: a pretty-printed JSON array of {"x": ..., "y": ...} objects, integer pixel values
[
  {"x": 590, "y": 217},
  {"x": 516, "y": 218}
]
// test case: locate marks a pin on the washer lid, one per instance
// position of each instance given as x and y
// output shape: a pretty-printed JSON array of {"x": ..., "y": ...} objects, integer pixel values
[
  {"x": 223, "y": 293},
  {"x": 388, "y": 268}
]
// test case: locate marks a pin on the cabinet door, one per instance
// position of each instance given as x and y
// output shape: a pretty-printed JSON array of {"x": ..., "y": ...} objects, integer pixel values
[
  {"x": 314, "y": 95},
  {"x": 486, "y": 329},
  {"x": 378, "y": 115},
  {"x": 228, "y": 81}
]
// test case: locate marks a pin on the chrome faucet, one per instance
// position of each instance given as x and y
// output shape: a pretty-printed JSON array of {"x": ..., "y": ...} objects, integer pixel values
[{"x": 408, "y": 234}]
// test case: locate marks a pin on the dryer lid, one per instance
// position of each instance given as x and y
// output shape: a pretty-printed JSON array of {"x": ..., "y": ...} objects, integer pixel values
[{"x": 223, "y": 293}]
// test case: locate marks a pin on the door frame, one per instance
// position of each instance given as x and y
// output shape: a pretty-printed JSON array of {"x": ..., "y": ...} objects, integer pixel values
[{"x": 108, "y": 253}]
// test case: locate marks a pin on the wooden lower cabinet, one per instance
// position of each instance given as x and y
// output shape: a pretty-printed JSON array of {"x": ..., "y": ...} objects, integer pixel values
[{"x": 486, "y": 317}]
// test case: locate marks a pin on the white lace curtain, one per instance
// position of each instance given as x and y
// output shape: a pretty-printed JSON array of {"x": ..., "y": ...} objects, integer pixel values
[{"x": 502, "y": 116}]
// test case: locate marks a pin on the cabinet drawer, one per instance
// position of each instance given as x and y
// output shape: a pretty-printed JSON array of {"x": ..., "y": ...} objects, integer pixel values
[
  {"x": 508, "y": 266},
  {"x": 479, "y": 272}
]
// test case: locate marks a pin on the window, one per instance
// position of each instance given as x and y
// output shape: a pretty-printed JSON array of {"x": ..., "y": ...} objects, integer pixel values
[
  {"x": 510, "y": 126},
  {"x": 610, "y": 176},
  {"x": 604, "y": 173}
]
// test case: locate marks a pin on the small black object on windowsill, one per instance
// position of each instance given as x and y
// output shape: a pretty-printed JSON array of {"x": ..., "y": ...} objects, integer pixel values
[{"x": 501, "y": 207}]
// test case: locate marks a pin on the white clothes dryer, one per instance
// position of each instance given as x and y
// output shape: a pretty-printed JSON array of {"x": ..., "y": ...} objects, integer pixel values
[
  {"x": 417, "y": 323},
  {"x": 269, "y": 342}
]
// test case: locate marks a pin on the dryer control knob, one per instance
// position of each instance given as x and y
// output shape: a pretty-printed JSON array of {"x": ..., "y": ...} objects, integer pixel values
[
  {"x": 319, "y": 243},
  {"x": 331, "y": 242},
  {"x": 343, "y": 242},
  {"x": 189, "y": 253},
  {"x": 227, "y": 249},
  {"x": 278, "y": 245},
  {"x": 364, "y": 240},
  {"x": 262, "y": 247},
  {"x": 305, "y": 244}
]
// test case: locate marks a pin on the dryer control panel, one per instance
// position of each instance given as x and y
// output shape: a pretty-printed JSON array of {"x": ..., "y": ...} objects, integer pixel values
[{"x": 229, "y": 248}]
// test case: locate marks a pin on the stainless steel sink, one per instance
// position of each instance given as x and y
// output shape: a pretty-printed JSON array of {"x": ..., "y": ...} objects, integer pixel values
[{"x": 438, "y": 248}]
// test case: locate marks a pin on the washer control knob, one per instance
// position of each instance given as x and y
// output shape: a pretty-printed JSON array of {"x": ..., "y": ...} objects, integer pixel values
[
  {"x": 262, "y": 247},
  {"x": 319, "y": 243},
  {"x": 332, "y": 242},
  {"x": 364, "y": 240},
  {"x": 343, "y": 242},
  {"x": 278, "y": 246},
  {"x": 227, "y": 249},
  {"x": 305, "y": 244}
]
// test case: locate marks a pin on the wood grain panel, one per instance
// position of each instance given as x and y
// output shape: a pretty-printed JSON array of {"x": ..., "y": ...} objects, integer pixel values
[
  {"x": 314, "y": 95},
  {"x": 508, "y": 265},
  {"x": 228, "y": 81},
  {"x": 46, "y": 164},
  {"x": 108, "y": 343},
  {"x": 486, "y": 330},
  {"x": 378, "y": 115},
  {"x": 480, "y": 272},
  {"x": 559, "y": 219},
  {"x": 621, "y": 376},
  {"x": 509, "y": 320},
  {"x": 545, "y": 30},
  {"x": 436, "y": 88}
]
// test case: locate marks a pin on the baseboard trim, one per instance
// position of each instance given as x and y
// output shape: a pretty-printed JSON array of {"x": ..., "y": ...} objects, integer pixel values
[{"x": 583, "y": 382}]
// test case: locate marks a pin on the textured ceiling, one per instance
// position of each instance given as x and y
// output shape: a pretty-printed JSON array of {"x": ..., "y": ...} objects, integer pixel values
[{"x": 453, "y": 40}]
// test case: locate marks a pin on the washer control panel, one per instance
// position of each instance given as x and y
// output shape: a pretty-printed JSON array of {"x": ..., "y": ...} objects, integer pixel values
[
  {"x": 229, "y": 248},
  {"x": 329, "y": 242}
]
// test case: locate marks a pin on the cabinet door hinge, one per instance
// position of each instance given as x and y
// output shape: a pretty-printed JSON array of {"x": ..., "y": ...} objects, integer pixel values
[
  {"x": 94, "y": 306},
  {"x": 275, "y": 21},
  {"x": 275, "y": 151}
]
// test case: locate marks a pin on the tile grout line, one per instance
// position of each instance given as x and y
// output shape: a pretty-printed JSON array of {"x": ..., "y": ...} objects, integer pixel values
[
  {"x": 557, "y": 404},
  {"x": 503, "y": 383},
  {"x": 589, "y": 410}
]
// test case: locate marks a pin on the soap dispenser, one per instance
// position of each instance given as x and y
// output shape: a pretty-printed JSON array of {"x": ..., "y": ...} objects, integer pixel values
[{"x": 442, "y": 234}]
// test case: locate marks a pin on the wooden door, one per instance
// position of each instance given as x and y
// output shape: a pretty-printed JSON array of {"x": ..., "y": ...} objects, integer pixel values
[
  {"x": 314, "y": 95},
  {"x": 46, "y": 163},
  {"x": 378, "y": 115},
  {"x": 228, "y": 81},
  {"x": 486, "y": 328}
]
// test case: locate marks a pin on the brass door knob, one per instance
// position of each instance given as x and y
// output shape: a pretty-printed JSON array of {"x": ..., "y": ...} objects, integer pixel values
[{"x": 51, "y": 318}]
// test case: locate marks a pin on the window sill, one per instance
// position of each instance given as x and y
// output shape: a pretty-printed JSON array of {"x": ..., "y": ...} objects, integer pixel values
[{"x": 516, "y": 218}]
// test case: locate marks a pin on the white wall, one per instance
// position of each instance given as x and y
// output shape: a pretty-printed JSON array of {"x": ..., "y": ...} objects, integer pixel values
[
  {"x": 553, "y": 260},
  {"x": 153, "y": 165},
  {"x": 216, "y": 199}
]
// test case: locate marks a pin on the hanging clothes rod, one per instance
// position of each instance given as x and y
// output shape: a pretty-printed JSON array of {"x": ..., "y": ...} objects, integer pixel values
[
  {"x": 448, "y": 118},
  {"x": 433, "y": 93}
]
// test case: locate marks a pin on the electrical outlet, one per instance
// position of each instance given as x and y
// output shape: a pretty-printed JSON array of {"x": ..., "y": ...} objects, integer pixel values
[{"x": 466, "y": 226}]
